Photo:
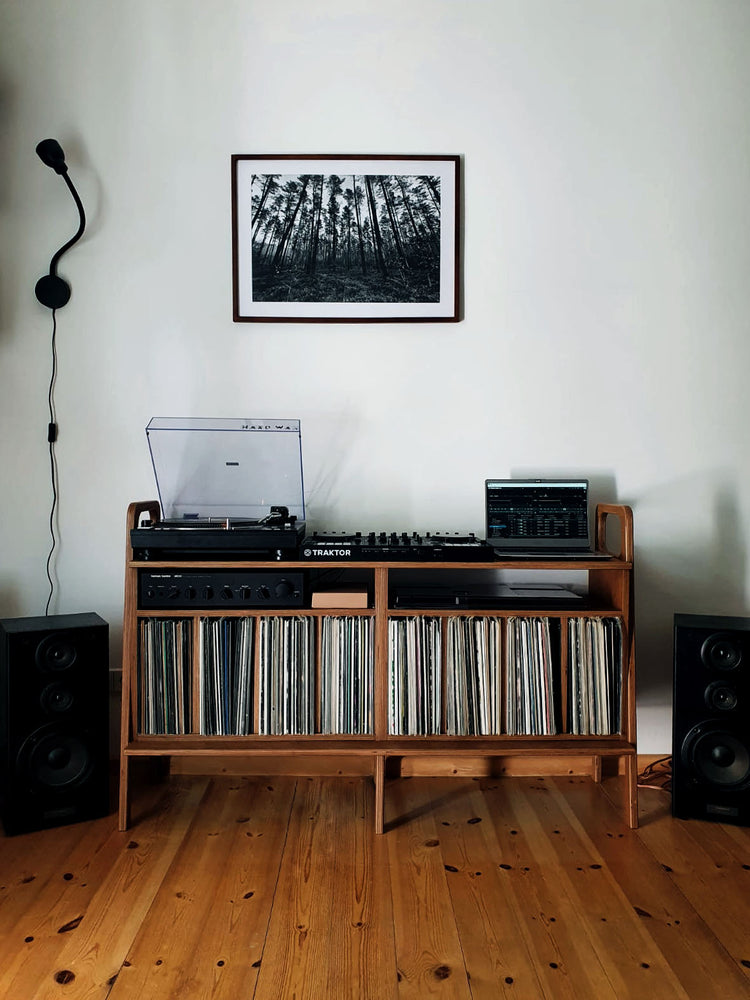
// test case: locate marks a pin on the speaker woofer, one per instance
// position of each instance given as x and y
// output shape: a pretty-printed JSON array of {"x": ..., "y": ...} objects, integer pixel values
[
  {"x": 721, "y": 651},
  {"x": 716, "y": 757},
  {"x": 54, "y": 759},
  {"x": 55, "y": 652}
]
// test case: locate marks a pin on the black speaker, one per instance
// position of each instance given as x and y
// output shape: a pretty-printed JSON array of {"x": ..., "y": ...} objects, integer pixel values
[
  {"x": 711, "y": 719},
  {"x": 54, "y": 721}
]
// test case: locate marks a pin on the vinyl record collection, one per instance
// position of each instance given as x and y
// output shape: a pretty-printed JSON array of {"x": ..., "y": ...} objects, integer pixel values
[
  {"x": 414, "y": 689},
  {"x": 531, "y": 685},
  {"x": 226, "y": 676},
  {"x": 594, "y": 675},
  {"x": 286, "y": 675},
  {"x": 454, "y": 675},
  {"x": 346, "y": 675},
  {"x": 473, "y": 689},
  {"x": 164, "y": 668}
]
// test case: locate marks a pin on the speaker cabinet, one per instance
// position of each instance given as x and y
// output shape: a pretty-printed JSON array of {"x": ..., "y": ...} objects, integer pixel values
[
  {"x": 54, "y": 721},
  {"x": 711, "y": 719}
]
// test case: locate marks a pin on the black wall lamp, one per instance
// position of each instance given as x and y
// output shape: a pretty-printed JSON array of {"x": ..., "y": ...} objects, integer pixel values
[{"x": 52, "y": 290}]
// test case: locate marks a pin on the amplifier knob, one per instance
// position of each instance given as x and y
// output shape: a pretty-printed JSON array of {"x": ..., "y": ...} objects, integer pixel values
[
  {"x": 190, "y": 593},
  {"x": 151, "y": 593},
  {"x": 264, "y": 593},
  {"x": 208, "y": 593},
  {"x": 245, "y": 593},
  {"x": 227, "y": 593},
  {"x": 284, "y": 588}
]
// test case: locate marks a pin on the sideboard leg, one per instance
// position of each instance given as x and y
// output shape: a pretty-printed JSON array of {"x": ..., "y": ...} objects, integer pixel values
[
  {"x": 379, "y": 793},
  {"x": 631, "y": 790},
  {"x": 596, "y": 769},
  {"x": 124, "y": 813}
]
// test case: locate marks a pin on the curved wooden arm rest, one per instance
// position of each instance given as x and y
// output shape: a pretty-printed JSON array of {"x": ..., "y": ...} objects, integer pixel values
[
  {"x": 150, "y": 507},
  {"x": 624, "y": 515}
]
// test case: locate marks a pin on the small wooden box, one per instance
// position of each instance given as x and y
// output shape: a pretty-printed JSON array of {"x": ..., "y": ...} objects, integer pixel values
[{"x": 345, "y": 597}]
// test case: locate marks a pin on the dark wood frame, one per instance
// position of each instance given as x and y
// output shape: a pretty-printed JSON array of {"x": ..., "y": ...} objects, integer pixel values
[{"x": 246, "y": 310}]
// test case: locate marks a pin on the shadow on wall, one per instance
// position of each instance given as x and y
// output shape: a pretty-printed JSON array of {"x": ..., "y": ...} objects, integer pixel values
[
  {"x": 331, "y": 459},
  {"x": 602, "y": 489},
  {"x": 10, "y": 602},
  {"x": 690, "y": 558}
]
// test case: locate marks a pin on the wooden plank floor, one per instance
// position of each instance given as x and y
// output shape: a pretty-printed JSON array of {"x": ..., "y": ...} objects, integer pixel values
[{"x": 278, "y": 889}]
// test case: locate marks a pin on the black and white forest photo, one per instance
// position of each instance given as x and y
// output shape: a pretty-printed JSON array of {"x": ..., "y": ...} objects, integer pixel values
[{"x": 345, "y": 239}]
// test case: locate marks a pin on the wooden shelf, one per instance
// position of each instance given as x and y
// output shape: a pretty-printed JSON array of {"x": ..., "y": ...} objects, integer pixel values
[
  {"x": 394, "y": 746},
  {"x": 612, "y": 564},
  {"x": 260, "y": 612},
  {"x": 239, "y": 746},
  {"x": 610, "y": 594}
]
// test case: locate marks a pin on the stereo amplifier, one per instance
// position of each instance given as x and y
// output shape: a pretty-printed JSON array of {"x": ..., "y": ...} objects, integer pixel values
[{"x": 220, "y": 588}]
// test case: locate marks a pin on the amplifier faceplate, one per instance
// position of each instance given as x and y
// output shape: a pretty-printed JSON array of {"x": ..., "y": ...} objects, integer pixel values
[{"x": 220, "y": 588}]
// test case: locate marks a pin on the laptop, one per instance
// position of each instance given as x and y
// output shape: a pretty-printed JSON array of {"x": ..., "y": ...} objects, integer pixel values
[{"x": 539, "y": 518}]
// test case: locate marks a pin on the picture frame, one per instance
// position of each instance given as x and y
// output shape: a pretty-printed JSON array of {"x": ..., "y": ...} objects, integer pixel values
[{"x": 345, "y": 238}]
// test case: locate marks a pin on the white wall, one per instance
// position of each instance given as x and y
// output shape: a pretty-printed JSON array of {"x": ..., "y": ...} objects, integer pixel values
[{"x": 607, "y": 260}]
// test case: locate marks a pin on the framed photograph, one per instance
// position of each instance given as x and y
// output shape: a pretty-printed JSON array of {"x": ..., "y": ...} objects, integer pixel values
[{"x": 347, "y": 239}]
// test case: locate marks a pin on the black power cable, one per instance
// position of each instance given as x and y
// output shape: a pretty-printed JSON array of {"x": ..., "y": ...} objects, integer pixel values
[
  {"x": 51, "y": 439},
  {"x": 54, "y": 292}
]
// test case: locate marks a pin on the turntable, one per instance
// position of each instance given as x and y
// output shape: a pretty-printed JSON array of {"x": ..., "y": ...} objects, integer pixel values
[{"x": 228, "y": 489}]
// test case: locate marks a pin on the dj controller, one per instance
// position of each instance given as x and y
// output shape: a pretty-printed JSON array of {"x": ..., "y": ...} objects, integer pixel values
[{"x": 382, "y": 546}]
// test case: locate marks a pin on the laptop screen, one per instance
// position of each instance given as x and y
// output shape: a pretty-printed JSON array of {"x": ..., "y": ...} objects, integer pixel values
[{"x": 537, "y": 513}]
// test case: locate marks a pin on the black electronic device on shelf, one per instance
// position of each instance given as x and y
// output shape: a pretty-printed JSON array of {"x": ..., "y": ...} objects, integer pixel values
[
  {"x": 388, "y": 547},
  {"x": 220, "y": 588},
  {"x": 223, "y": 538},
  {"x": 495, "y": 596}
]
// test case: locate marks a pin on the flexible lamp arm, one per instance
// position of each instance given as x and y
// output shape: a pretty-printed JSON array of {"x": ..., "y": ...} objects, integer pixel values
[
  {"x": 51, "y": 290},
  {"x": 81, "y": 226}
]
